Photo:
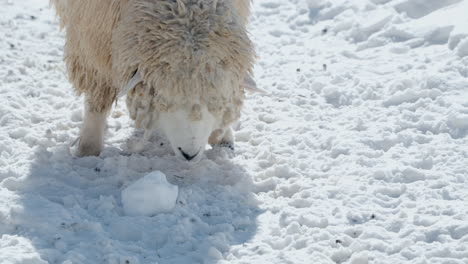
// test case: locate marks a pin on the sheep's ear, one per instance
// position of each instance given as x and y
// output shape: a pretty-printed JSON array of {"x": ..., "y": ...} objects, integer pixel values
[
  {"x": 182, "y": 8},
  {"x": 251, "y": 86},
  {"x": 136, "y": 79}
]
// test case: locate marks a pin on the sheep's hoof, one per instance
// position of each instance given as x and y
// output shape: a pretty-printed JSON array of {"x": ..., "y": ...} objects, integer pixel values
[
  {"x": 226, "y": 144},
  {"x": 85, "y": 149}
]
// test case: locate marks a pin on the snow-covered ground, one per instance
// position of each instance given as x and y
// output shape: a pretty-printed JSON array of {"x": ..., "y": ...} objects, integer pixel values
[{"x": 358, "y": 153}]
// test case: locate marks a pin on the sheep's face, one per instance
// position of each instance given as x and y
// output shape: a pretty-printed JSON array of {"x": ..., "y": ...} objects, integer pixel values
[{"x": 188, "y": 130}]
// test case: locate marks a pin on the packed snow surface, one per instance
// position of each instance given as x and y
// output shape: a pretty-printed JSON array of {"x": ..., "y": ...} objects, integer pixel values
[
  {"x": 149, "y": 195},
  {"x": 358, "y": 153}
]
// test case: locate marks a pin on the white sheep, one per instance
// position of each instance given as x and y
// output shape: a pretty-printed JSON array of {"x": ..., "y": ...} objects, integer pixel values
[{"x": 184, "y": 65}]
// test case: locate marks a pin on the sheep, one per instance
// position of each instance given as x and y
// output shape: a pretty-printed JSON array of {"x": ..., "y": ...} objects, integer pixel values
[{"x": 183, "y": 64}]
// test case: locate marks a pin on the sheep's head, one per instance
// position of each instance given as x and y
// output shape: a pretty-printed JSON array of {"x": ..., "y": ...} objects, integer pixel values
[
  {"x": 188, "y": 122},
  {"x": 188, "y": 134},
  {"x": 190, "y": 58}
]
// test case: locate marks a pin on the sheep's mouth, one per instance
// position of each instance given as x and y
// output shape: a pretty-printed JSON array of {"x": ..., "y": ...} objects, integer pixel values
[{"x": 187, "y": 156}]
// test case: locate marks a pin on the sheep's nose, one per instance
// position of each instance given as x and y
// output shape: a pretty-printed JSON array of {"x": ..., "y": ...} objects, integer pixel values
[{"x": 187, "y": 156}]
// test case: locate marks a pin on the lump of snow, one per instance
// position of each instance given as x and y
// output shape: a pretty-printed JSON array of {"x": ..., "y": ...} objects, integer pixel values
[
  {"x": 359, "y": 258},
  {"x": 462, "y": 49},
  {"x": 149, "y": 195},
  {"x": 420, "y": 8}
]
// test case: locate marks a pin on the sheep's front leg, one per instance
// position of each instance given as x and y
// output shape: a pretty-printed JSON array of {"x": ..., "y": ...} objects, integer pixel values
[
  {"x": 228, "y": 139},
  {"x": 222, "y": 138},
  {"x": 91, "y": 139}
]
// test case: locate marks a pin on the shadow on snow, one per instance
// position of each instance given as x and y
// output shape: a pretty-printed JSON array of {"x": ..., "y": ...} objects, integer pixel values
[{"x": 72, "y": 208}]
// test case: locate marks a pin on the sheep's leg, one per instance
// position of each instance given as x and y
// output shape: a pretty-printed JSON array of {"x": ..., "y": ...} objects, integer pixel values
[
  {"x": 91, "y": 139},
  {"x": 228, "y": 139},
  {"x": 222, "y": 138}
]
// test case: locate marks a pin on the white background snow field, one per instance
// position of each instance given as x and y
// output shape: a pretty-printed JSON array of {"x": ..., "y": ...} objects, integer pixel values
[{"x": 357, "y": 154}]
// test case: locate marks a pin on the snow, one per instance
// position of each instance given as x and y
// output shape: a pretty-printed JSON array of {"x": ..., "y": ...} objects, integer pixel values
[
  {"x": 462, "y": 48},
  {"x": 149, "y": 195},
  {"x": 357, "y": 153}
]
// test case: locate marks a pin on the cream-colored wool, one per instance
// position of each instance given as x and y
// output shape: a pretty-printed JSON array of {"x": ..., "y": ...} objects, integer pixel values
[
  {"x": 89, "y": 27},
  {"x": 189, "y": 52},
  {"x": 197, "y": 53}
]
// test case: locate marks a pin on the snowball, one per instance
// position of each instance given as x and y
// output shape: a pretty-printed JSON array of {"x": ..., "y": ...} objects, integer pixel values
[{"x": 149, "y": 195}]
